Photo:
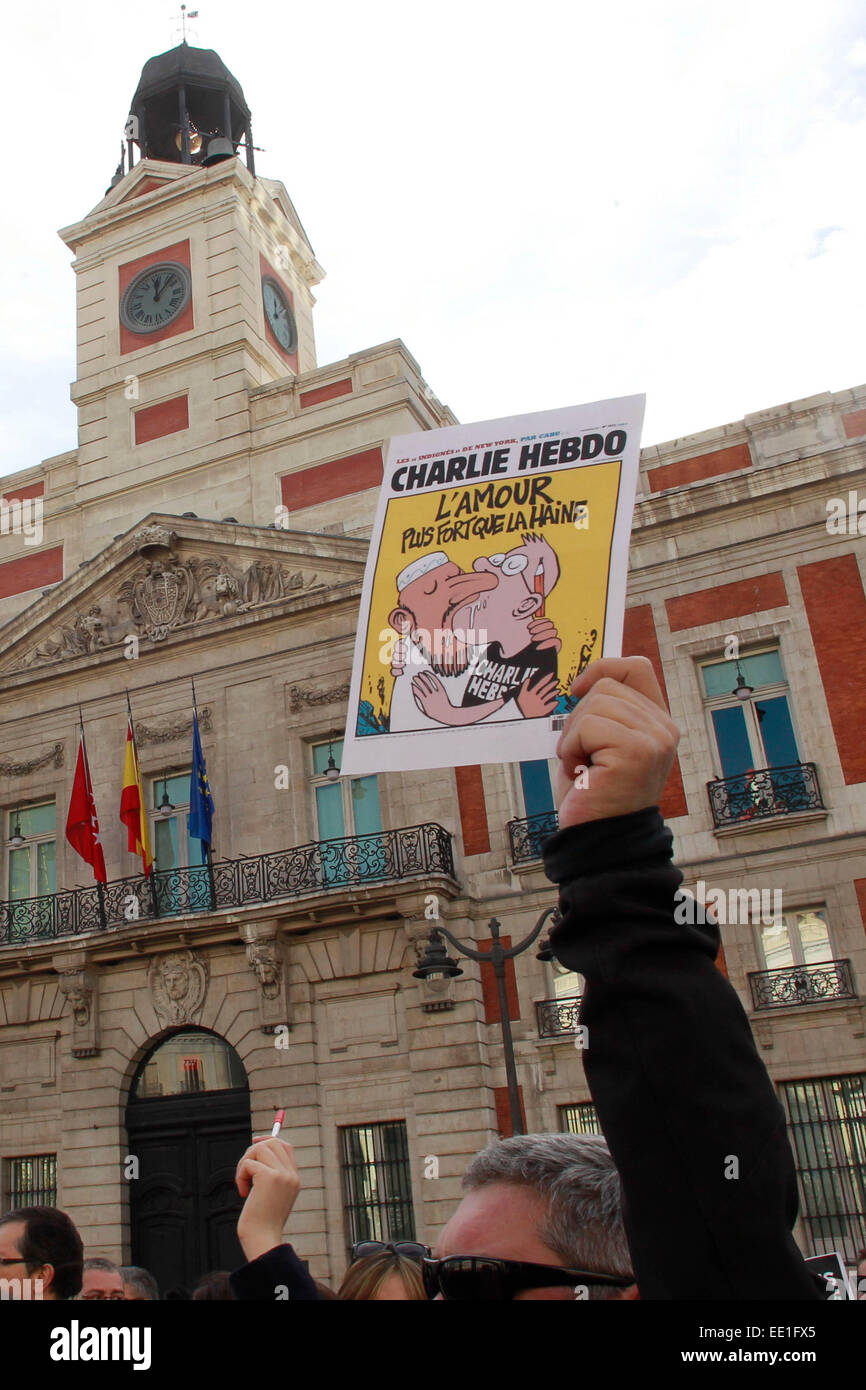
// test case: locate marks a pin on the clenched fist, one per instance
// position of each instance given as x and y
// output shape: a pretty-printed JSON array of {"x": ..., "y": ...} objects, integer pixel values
[{"x": 622, "y": 734}]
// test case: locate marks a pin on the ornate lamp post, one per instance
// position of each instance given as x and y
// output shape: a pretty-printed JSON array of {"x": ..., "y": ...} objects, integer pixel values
[{"x": 436, "y": 964}]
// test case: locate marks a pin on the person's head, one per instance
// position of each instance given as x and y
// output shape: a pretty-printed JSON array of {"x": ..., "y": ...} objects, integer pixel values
[
  {"x": 101, "y": 1279},
  {"x": 139, "y": 1286},
  {"x": 506, "y": 611},
  {"x": 42, "y": 1243},
  {"x": 383, "y": 1277},
  {"x": 432, "y": 591},
  {"x": 213, "y": 1286},
  {"x": 544, "y": 1199}
]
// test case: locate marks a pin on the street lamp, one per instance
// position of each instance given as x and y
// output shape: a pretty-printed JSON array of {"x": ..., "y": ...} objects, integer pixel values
[
  {"x": 332, "y": 772},
  {"x": 742, "y": 689},
  {"x": 436, "y": 964}
]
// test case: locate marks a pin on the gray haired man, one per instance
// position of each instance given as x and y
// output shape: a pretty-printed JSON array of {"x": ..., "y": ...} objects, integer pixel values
[
  {"x": 537, "y": 1207},
  {"x": 139, "y": 1285}
]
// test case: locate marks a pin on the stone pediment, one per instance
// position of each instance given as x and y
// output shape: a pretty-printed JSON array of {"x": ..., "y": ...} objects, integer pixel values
[
  {"x": 176, "y": 576},
  {"x": 145, "y": 177}
]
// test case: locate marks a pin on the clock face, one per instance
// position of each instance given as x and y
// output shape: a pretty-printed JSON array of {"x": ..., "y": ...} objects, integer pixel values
[
  {"x": 155, "y": 297},
  {"x": 278, "y": 312}
]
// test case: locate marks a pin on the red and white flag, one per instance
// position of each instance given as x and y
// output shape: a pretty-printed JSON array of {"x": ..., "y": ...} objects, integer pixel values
[{"x": 82, "y": 825}]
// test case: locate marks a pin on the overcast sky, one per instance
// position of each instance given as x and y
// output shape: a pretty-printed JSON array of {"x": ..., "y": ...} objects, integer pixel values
[{"x": 548, "y": 202}]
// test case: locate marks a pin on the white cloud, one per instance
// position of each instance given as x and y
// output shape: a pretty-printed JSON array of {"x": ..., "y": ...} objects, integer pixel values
[{"x": 546, "y": 203}]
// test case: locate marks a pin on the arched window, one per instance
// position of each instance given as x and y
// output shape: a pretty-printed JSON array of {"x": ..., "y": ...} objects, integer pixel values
[{"x": 189, "y": 1063}]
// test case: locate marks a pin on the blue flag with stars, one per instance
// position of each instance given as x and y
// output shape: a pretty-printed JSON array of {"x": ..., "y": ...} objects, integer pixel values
[{"x": 200, "y": 818}]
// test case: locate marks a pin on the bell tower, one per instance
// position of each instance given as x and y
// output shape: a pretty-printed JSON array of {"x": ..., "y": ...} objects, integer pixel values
[
  {"x": 194, "y": 286},
  {"x": 189, "y": 109}
]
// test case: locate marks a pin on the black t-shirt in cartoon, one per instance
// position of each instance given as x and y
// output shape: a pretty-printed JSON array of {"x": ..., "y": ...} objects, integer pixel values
[{"x": 495, "y": 677}]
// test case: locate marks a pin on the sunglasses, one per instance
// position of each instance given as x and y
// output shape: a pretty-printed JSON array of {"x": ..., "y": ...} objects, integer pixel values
[
  {"x": 468, "y": 1277},
  {"x": 410, "y": 1248}
]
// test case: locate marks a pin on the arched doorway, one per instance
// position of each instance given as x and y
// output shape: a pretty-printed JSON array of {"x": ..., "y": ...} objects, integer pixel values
[{"x": 188, "y": 1121}]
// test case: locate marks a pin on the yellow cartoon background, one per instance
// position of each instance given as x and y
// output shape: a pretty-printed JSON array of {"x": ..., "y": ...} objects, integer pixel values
[{"x": 419, "y": 524}]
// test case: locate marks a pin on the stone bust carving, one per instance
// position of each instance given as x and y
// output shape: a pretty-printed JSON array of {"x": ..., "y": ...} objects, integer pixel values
[
  {"x": 178, "y": 983},
  {"x": 263, "y": 960}
]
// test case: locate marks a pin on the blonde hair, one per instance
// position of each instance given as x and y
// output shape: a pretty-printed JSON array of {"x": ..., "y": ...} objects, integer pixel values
[{"x": 364, "y": 1278}]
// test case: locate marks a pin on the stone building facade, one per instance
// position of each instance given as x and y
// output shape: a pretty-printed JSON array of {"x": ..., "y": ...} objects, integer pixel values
[{"x": 212, "y": 524}]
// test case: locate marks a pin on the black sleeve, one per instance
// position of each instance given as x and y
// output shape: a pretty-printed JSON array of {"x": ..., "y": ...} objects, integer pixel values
[
  {"x": 682, "y": 1095},
  {"x": 275, "y": 1276}
]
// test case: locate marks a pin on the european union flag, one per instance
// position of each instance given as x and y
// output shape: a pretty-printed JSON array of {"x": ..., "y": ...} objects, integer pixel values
[{"x": 200, "y": 818}]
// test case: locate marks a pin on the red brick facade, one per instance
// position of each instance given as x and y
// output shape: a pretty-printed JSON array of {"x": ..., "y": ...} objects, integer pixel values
[
  {"x": 488, "y": 985},
  {"x": 326, "y": 393},
  {"x": 725, "y": 601},
  {"x": 167, "y": 417},
  {"x": 854, "y": 424},
  {"x": 327, "y": 481},
  {"x": 503, "y": 1111},
  {"x": 732, "y": 460},
  {"x": 31, "y": 571},
  {"x": 639, "y": 638},
  {"x": 473, "y": 810},
  {"x": 19, "y": 494},
  {"x": 836, "y": 608}
]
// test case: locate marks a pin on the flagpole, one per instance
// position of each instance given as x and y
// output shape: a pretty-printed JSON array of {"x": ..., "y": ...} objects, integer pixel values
[
  {"x": 151, "y": 877},
  {"x": 207, "y": 853},
  {"x": 100, "y": 887}
]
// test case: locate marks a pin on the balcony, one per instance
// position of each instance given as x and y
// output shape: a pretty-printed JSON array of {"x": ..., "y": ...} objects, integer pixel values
[
  {"x": 527, "y": 836},
  {"x": 556, "y": 1018},
  {"x": 352, "y": 862},
  {"x": 802, "y": 984},
  {"x": 756, "y": 796}
]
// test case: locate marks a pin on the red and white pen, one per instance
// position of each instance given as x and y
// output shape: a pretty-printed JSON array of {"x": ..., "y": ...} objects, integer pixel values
[{"x": 278, "y": 1124}]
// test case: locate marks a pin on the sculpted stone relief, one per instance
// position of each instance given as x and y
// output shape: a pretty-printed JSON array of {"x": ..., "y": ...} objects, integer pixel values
[
  {"x": 54, "y": 758},
  {"x": 178, "y": 984},
  {"x": 264, "y": 960},
  {"x": 164, "y": 594}
]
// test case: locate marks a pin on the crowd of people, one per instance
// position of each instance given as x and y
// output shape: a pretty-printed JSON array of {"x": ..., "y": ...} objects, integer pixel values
[{"x": 690, "y": 1190}]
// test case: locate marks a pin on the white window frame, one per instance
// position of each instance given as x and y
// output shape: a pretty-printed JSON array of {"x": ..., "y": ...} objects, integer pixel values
[
  {"x": 794, "y": 938},
  {"x": 750, "y": 714},
  {"x": 31, "y": 841}
]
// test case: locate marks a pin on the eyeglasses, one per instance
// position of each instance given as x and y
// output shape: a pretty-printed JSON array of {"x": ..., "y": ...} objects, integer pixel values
[
  {"x": 15, "y": 1260},
  {"x": 113, "y": 1297},
  {"x": 469, "y": 1277},
  {"x": 410, "y": 1248}
]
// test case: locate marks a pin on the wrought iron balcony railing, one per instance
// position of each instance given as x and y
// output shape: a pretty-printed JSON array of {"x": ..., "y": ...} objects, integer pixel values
[
  {"x": 802, "y": 984},
  {"x": 773, "y": 791},
  {"x": 527, "y": 836},
  {"x": 352, "y": 862},
  {"x": 556, "y": 1017}
]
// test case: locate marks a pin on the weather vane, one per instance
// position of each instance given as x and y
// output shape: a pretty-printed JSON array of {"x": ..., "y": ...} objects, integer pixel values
[{"x": 186, "y": 14}]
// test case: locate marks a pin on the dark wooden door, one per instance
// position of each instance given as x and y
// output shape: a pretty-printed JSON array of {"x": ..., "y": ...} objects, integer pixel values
[{"x": 184, "y": 1205}]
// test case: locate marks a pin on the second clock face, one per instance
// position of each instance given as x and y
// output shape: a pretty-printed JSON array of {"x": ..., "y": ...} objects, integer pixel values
[
  {"x": 156, "y": 297},
  {"x": 278, "y": 312}
]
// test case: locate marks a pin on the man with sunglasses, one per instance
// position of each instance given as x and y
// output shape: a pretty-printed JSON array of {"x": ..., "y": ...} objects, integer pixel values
[
  {"x": 41, "y": 1254},
  {"x": 541, "y": 1219}
]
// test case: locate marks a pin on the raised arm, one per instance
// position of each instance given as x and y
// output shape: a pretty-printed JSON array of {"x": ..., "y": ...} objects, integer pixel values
[{"x": 683, "y": 1098}]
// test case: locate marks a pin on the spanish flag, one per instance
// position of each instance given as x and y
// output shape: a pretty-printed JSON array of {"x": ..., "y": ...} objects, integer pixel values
[{"x": 133, "y": 810}]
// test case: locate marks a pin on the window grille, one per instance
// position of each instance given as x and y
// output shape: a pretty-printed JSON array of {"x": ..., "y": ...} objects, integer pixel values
[{"x": 377, "y": 1184}]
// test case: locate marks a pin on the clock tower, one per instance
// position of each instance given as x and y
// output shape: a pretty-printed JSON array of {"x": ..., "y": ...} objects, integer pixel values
[{"x": 194, "y": 288}]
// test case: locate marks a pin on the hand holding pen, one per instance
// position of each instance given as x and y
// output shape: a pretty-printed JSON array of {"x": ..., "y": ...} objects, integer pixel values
[{"x": 267, "y": 1176}]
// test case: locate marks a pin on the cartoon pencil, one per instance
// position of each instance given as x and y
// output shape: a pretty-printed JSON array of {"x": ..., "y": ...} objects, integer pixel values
[{"x": 538, "y": 588}]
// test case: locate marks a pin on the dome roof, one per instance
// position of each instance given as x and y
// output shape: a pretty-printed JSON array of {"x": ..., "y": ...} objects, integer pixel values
[{"x": 200, "y": 67}]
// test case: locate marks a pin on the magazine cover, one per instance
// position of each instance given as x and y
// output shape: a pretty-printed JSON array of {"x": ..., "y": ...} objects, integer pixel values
[{"x": 496, "y": 573}]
